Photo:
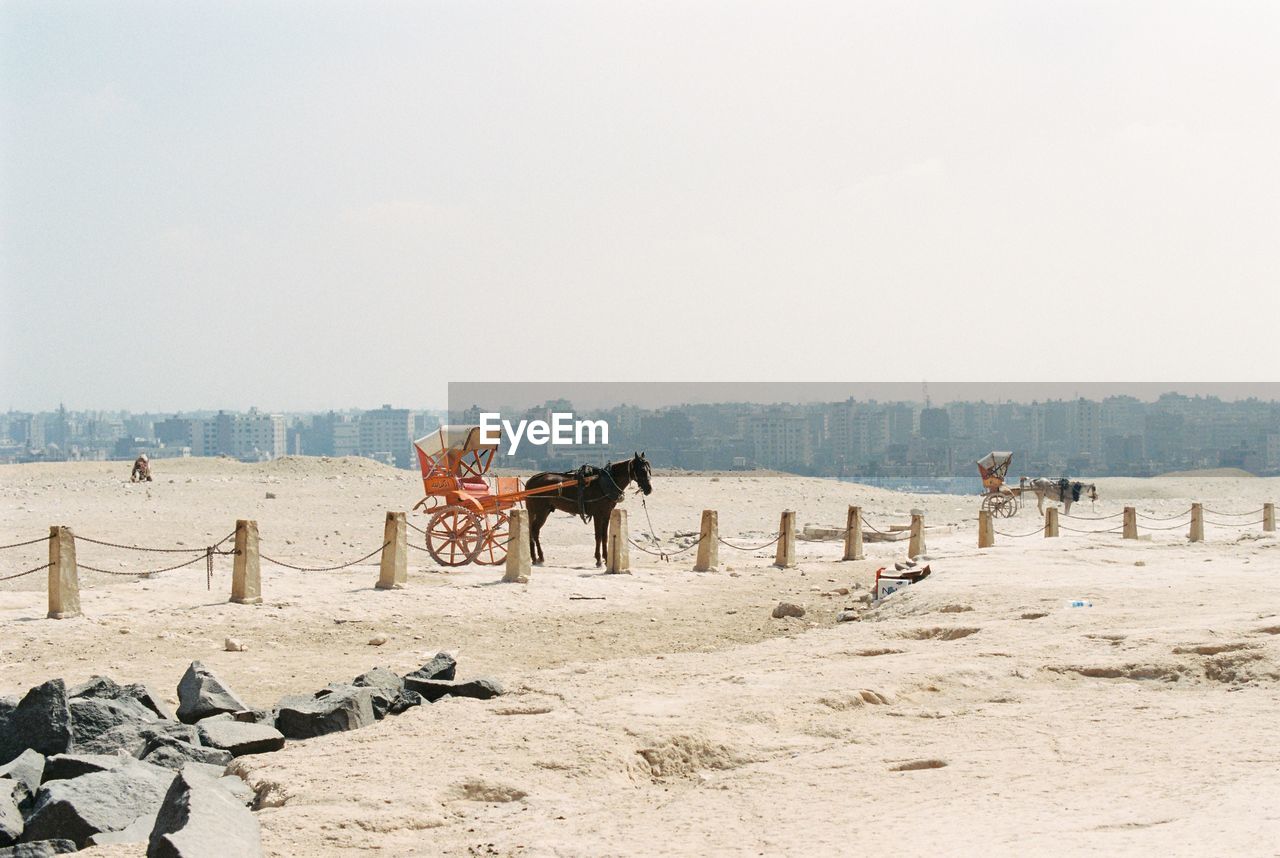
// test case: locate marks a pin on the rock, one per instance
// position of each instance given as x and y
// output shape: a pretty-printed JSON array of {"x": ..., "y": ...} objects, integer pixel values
[
  {"x": 239, "y": 738},
  {"x": 21, "y": 777},
  {"x": 201, "y": 694},
  {"x": 11, "y": 823},
  {"x": 848, "y": 616},
  {"x": 200, "y": 819},
  {"x": 61, "y": 767},
  {"x": 132, "y": 739},
  {"x": 100, "y": 687},
  {"x": 343, "y": 708},
  {"x": 787, "y": 609},
  {"x": 81, "y": 807},
  {"x": 432, "y": 690},
  {"x": 240, "y": 790},
  {"x": 172, "y": 754},
  {"x": 407, "y": 700},
  {"x": 386, "y": 686},
  {"x": 234, "y": 645},
  {"x": 137, "y": 831},
  {"x": 221, "y": 716},
  {"x": 377, "y": 640},
  {"x": 442, "y": 666},
  {"x": 93, "y": 716},
  {"x": 256, "y": 716},
  {"x": 39, "y": 849},
  {"x": 148, "y": 698},
  {"x": 41, "y": 721}
]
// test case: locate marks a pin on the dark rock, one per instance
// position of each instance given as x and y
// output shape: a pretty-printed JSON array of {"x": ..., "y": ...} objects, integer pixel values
[
  {"x": 11, "y": 823},
  {"x": 407, "y": 700},
  {"x": 443, "y": 666},
  {"x": 238, "y": 788},
  {"x": 93, "y": 716},
  {"x": 41, "y": 721},
  {"x": 256, "y": 716},
  {"x": 110, "y": 800},
  {"x": 221, "y": 716},
  {"x": 100, "y": 687},
  {"x": 433, "y": 689},
  {"x": 61, "y": 767},
  {"x": 21, "y": 778},
  {"x": 39, "y": 849},
  {"x": 132, "y": 738},
  {"x": 239, "y": 739},
  {"x": 343, "y": 708},
  {"x": 201, "y": 694},
  {"x": 172, "y": 754},
  {"x": 148, "y": 698},
  {"x": 201, "y": 819},
  {"x": 386, "y": 686},
  {"x": 138, "y": 831}
]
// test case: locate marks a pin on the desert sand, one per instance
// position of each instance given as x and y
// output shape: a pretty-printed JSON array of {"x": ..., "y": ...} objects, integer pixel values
[{"x": 666, "y": 713}]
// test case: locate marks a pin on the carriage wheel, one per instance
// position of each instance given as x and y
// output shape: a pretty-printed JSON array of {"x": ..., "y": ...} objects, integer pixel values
[
  {"x": 493, "y": 544},
  {"x": 454, "y": 536},
  {"x": 1009, "y": 507}
]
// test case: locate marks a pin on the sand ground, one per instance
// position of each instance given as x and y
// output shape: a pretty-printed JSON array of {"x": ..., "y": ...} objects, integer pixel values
[{"x": 666, "y": 712}]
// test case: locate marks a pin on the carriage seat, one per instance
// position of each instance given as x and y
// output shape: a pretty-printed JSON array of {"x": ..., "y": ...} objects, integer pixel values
[{"x": 474, "y": 487}]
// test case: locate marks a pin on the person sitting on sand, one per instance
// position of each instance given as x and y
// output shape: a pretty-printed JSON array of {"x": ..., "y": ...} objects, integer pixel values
[{"x": 141, "y": 470}]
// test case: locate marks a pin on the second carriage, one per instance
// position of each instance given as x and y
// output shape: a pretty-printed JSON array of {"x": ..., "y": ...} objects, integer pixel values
[{"x": 998, "y": 499}]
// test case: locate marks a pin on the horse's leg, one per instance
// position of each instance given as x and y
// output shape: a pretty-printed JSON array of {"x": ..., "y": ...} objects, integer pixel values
[
  {"x": 1040, "y": 502},
  {"x": 1066, "y": 506},
  {"x": 536, "y": 520},
  {"x": 602, "y": 537}
]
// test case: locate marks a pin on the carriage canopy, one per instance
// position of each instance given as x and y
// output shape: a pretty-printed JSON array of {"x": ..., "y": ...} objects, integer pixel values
[
  {"x": 461, "y": 439},
  {"x": 996, "y": 457}
]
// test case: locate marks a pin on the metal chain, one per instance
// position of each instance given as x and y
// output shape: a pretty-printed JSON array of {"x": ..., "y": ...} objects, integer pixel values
[
  {"x": 21, "y": 544},
  {"x": 1021, "y": 535},
  {"x": 198, "y": 557},
  {"x": 1163, "y": 517},
  {"x": 872, "y": 526},
  {"x": 1091, "y": 517},
  {"x": 1234, "y": 514},
  {"x": 28, "y": 572},
  {"x": 1075, "y": 530},
  {"x": 80, "y": 538},
  {"x": 757, "y": 548},
  {"x": 323, "y": 568},
  {"x": 1235, "y": 524}
]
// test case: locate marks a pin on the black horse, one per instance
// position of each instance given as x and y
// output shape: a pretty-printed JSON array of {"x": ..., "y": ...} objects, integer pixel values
[{"x": 594, "y": 500}]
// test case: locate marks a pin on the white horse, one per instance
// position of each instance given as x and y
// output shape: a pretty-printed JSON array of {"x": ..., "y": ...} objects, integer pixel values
[{"x": 1064, "y": 491}]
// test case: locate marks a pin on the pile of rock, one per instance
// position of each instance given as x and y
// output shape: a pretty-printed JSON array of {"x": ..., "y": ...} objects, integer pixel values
[{"x": 107, "y": 763}]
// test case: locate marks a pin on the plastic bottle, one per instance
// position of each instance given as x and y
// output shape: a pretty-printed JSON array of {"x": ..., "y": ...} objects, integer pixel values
[{"x": 1079, "y": 603}]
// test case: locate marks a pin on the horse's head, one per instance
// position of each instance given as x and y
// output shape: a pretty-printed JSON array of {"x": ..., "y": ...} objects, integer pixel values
[{"x": 640, "y": 470}]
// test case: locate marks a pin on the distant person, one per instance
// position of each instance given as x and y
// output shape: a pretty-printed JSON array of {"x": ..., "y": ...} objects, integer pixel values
[{"x": 141, "y": 470}]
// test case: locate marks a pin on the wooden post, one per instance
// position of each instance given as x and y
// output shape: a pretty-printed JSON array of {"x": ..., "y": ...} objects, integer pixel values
[
  {"x": 1268, "y": 518},
  {"x": 64, "y": 578},
  {"x": 1196, "y": 533},
  {"x": 785, "y": 556},
  {"x": 853, "y": 534},
  {"x": 519, "y": 566},
  {"x": 916, "y": 546},
  {"x": 986, "y": 533},
  {"x": 393, "y": 573},
  {"x": 1130, "y": 523},
  {"x": 1051, "y": 522},
  {"x": 246, "y": 572},
  {"x": 617, "y": 547},
  {"x": 708, "y": 542}
]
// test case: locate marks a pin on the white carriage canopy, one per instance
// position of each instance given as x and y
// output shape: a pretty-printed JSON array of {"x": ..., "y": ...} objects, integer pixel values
[
  {"x": 996, "y": 457},
  {"x": 464, "y": 439}
]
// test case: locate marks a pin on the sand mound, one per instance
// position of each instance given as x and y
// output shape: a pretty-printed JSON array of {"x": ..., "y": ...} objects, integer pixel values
[{"x": 1235, "y": 473}]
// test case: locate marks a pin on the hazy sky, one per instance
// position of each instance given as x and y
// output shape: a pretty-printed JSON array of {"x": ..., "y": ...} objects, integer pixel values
[{"x": 304, "y": 205}]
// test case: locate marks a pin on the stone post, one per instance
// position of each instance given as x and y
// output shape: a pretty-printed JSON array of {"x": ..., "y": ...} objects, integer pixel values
[
  {"x": 916, "y": 546},
  {"x": 393, "y": 573},
  {"x": 1051, "y": 522},
  {"x": 64, "y": 578},
  {"x": 1130, "y": 523},
  {"x": 519, "y": 565},
  {"x": 853, "y": 534},
  {"x": 246, "y": 571},
  {"x": 1196, "y": 533},
  {"x": 785, "y": 556},
  {"x": 986, "y": 533},
  {"x": 617, "y": 546},
  {"x": 708, "y": 542},
  {"x": 1268, "y": 518}
]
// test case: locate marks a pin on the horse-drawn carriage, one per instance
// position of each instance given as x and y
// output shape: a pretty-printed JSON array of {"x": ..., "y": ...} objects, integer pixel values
[
  {"x": 468, "y": 509},
  {"x": 998, "y": 499}
]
